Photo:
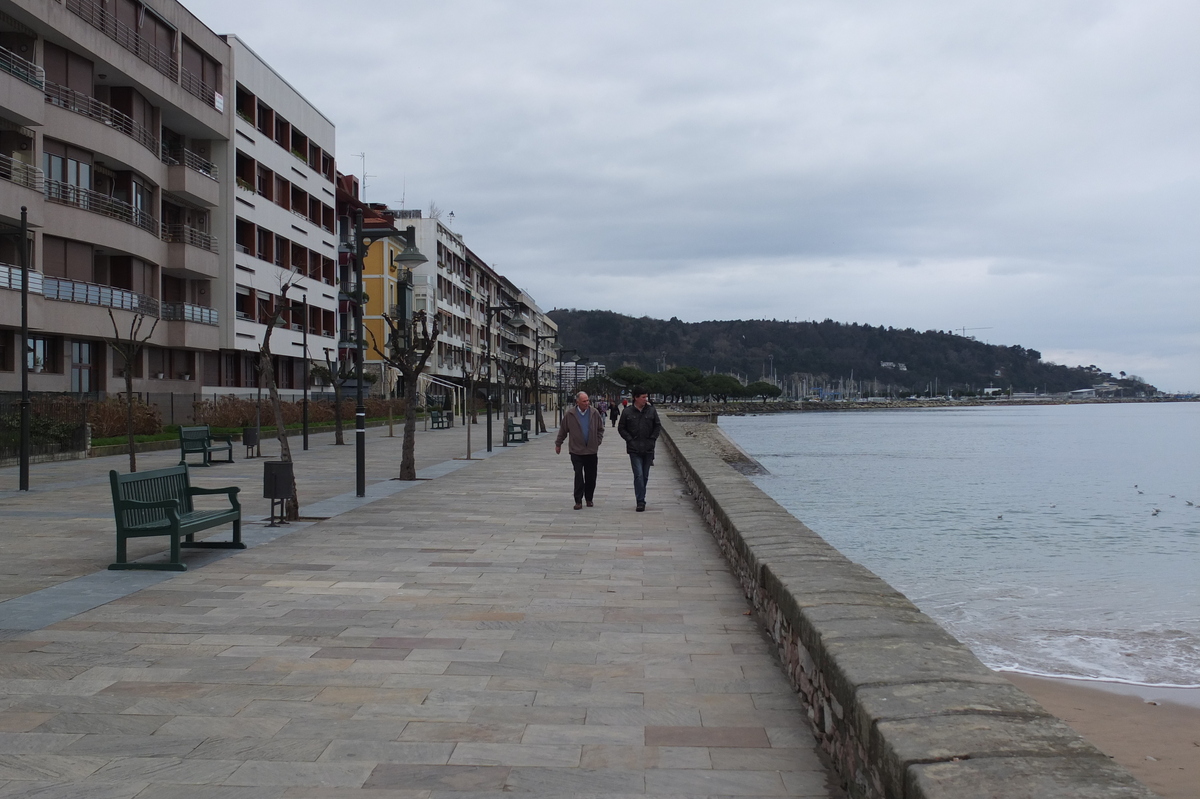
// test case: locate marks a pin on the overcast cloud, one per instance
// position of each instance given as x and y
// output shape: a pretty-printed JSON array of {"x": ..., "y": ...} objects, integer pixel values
[{"x": 1026, "y": 168}]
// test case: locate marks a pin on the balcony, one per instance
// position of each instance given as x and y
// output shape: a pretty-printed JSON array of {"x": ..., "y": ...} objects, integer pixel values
[
  {"x": 21, "y": 173},
  {"x": 88, "y": 200},
  {"x": 176, "y": 156},
  {"x": 191, "y": 254},
  {"x": 23, "y": 90},
  {"x": 182, "y": 234},
  {"x": 186, "y": 312},
  {"x": 10, "y": 278},
  {"x": 192, "y": 176},
  {"x": 18, "y": 67},
  {"x": 95, "y": 15},
  {"x": 71, "y": 100},
  {"x": 57, "y": 288},
  {"x": 198, "y": 88}
]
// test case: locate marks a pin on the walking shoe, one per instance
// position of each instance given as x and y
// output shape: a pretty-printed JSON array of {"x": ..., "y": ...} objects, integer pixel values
[
  {"x": 641, "y": 507},
  {"x": 578, "y": 505},
  {"x": 589, "y": 503}
]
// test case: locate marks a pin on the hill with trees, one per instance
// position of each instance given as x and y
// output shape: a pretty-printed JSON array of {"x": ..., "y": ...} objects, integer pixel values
[{"x": 871, "y": 361}]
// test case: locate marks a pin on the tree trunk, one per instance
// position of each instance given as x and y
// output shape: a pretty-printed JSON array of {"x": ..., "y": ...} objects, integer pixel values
[
  {"x": 408, "y": 458},
  {"x": 291, "y": 509},
  {"x": 338, "y": 438}
]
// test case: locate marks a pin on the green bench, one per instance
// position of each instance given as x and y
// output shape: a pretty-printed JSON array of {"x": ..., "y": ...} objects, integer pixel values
[
  {"x": 200, "y": 439},
  {"x": 438, "y": 420},
  {"x": 159, "y": 502},
  {"x": 515, "y": 432}
]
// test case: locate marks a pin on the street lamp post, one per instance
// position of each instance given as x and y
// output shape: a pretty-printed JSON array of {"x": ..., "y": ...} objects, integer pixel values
[
  {"x": 538, "y": 338},
  {"x": 362, "y": 241},
  {"x": 492, "y": 310}
]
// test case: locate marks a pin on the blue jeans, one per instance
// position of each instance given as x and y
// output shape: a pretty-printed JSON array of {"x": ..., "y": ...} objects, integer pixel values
[{"x": 640, "y": 461}]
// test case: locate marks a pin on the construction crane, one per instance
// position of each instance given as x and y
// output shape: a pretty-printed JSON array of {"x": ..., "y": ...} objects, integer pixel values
[{"x": 963, "y": 330}]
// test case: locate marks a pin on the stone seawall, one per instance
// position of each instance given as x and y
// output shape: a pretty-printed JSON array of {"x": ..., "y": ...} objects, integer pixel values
[{"x": 903, "y": 709}]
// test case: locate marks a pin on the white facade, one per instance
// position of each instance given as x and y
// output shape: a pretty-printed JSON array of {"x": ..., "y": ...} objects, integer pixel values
[{"x": 279, "y": 215}]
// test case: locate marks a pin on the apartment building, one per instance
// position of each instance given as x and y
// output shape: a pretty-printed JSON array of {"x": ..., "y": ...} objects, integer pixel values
[
  {"x": 454, "y": 287},
  {"x": 572, "y": 373},
  {"x": 113, "y": 129},
  {"x": 457, "y": 287},
  {"x": 171, "y": 175},
  {"x": 279, "y": 212}
]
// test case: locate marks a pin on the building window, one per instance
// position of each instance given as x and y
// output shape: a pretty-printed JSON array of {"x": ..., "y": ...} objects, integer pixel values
[
  {"x": 83, "y": 367},
  {"x": 42, "y": 355},
  {"x": 243, "y": 304}
]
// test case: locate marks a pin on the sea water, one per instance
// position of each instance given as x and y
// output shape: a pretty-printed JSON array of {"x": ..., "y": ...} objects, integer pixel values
[{"x": 1055, "y": 540}]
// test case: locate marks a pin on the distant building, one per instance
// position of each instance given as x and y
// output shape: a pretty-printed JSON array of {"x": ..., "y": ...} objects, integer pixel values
[{"x": 571, "y": 374}]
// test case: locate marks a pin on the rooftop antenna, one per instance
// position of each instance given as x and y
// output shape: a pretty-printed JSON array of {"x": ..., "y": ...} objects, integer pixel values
[{"x": 363, "y": 187}]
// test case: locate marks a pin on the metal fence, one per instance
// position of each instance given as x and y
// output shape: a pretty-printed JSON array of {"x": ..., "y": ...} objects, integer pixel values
[{"x": 58, "y": 424}]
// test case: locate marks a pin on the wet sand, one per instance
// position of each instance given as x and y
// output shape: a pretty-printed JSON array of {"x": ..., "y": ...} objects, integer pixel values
[{"x": 1153, "y": 732}]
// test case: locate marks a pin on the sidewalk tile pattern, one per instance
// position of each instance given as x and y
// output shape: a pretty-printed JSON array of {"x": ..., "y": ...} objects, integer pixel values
[{"x": 470, "y": 636}]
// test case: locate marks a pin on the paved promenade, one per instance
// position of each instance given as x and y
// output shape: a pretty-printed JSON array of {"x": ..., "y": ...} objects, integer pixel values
[{"x": 468, "y": 635}]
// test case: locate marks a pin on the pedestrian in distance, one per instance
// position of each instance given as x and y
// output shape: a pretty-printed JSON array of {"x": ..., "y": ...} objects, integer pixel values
[
  {"x": 614, "y": 413},
  {"x": 640, "y": 427},
  {"x": 583, "y": 429}
]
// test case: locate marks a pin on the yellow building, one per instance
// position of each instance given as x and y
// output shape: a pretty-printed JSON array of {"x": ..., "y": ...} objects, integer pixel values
[{"x": 384, "y": 283}]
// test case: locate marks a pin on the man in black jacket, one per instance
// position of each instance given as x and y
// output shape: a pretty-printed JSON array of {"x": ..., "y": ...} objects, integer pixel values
[{"x": 639, "y": 426}]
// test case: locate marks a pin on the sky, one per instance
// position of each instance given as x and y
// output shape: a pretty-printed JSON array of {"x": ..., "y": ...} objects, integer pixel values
[{"x": 1025, "y": 172}]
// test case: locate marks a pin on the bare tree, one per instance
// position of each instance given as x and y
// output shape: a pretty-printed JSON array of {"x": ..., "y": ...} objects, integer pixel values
[
  {"x": 334, "y": 372},
  {"x": 266, "y": 367},
  {"x": 408, "y": 347},
  {"x": 130, "y": 348}
]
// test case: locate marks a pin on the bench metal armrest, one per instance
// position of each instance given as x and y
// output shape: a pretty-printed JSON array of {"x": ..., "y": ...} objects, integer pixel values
[
  {"x": 232, "y": 491},
  {"x": 227, "y": 439}
]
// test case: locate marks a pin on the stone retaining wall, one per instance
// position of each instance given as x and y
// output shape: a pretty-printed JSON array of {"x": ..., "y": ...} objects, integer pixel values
[{"x": 902, "y": 708}]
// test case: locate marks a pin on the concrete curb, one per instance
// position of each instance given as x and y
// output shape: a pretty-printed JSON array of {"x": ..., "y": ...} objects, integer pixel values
[{"x": 903, "y": 709}]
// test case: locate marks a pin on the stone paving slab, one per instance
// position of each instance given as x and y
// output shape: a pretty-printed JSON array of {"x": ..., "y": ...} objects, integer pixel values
[
  {"x": 467, "y": 636},
  {"x": 63, "y": 528}
]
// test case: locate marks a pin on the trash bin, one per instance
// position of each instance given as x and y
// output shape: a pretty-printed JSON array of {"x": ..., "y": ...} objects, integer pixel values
[
  {"x": 527, "y": 424},
  {"x": 277, "y": 487},
  {"x": 277, "y": 479},
  {"x": 250, "y": 436}
]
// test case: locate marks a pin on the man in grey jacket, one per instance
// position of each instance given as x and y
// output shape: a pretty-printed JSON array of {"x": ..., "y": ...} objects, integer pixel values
[{"x": 583, "y": 425}]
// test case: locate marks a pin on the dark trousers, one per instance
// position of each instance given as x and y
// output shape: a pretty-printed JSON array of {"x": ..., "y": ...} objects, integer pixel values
[{"x": 585, "y": 476}]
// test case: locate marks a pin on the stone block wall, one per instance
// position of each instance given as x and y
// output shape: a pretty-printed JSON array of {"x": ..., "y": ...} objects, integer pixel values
[{"x": 902, "y": 708}]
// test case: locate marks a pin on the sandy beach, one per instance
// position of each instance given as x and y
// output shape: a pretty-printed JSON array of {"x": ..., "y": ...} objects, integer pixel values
[{"x": 1153, "y": 732}]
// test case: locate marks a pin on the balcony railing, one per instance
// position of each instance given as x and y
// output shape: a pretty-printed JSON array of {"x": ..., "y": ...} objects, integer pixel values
[
  {"x": 10, "y": 278},
  {"x": 198, "y": 88},
  {"x": 186, "y": 312},
  {"x": 174, "y": 156},
  {"x": 18, "y": 67},
  {"x": 65, "y": 194},
  {"x": 57, "y": 288},
  {"x": 80, "y": 103},
  {"x": 95, "y": 15},
  {"x": 183, "y": 234},
  {"x": 20, "y": 173}
]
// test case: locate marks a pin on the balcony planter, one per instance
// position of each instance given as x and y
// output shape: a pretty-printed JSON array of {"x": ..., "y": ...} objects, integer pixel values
[
  {"x": 185, "y": 377},
  {"x": 158, "y": 375}
]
